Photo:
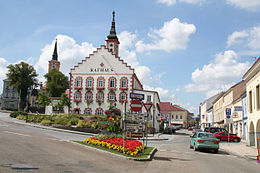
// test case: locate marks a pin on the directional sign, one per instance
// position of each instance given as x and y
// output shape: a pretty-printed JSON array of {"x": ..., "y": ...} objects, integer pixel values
[
  {"x": 148, "y": 106},
  {"x": 136, "y": 105},
  {"x": 137, "y": 96},
  {"x": 228, "y": 111},
  {"x": 238, "y": 108}
]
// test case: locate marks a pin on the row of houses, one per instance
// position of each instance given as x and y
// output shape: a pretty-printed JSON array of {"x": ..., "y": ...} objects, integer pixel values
[
  {"x": 243, "y": 99},
  {"x": 103, "y": 78}
]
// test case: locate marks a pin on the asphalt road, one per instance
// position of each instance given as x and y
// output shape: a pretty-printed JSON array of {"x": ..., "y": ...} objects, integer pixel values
[{"x": 29, "y": 149}]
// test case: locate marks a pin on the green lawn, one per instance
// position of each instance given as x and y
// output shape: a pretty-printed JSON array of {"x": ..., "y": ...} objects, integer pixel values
[{"x": 144, "y": 155}]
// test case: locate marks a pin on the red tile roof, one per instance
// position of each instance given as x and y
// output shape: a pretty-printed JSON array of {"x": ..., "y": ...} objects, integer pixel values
[{"x": 165, "y": 106}]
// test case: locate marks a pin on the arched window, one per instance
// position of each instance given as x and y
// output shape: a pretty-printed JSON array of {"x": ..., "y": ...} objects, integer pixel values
[
  {"x": 100, "y": 96},
  {"x": 99, "y": 111},
  {"x": 88, "y": 111},
  {"x": 111, "y": 96},
  {"x": 123, "y": 97},
  {"x": 77, "y": 96},
  {"x": 89, "y": 96}
]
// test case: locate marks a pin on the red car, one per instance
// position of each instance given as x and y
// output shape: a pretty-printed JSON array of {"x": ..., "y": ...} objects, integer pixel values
[
  {"x": 223, "y": 136},
  {"x": 190, "y": 128}
]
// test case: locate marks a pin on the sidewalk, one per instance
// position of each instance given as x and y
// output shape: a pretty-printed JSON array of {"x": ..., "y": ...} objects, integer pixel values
[{"x": 240, "y": 149}]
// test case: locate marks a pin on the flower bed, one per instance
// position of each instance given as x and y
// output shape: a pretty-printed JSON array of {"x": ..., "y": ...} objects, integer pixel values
[{"x": 132, "y": 147}]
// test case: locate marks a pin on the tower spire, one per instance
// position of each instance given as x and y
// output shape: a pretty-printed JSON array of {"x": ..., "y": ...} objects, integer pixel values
[
  {"x": 55, "y": 53},
  {"x": 112, "y": 35}
]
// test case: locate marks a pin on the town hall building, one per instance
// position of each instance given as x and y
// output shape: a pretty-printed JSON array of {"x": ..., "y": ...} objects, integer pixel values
[{"x": 103, "y": 78}]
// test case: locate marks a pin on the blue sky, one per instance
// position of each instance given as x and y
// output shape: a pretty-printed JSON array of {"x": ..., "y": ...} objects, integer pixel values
[{"x": 187, "y": 50}]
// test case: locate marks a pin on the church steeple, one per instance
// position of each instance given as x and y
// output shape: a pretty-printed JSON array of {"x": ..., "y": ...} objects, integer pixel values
[
  {"x": 55, "y": 54},
  {"x": 112, "y": 40},
  {"x": 54, "y": 63}
]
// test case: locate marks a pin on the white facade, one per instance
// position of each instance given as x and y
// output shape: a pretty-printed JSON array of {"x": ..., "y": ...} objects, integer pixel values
[{"x": 100, "y": 79}]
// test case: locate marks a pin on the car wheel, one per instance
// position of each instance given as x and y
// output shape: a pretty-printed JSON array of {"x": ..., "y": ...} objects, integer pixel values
[
  {"x": 216, "y": 151},
  {"x": 235, "y": 140},
  {"x": 195, "y": 148}
]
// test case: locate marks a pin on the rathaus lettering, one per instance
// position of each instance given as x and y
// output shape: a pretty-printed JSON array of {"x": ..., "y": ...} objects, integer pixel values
[{"x": 101, "y": 69}]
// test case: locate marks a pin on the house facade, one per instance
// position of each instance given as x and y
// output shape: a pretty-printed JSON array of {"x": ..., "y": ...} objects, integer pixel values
[
  {"x": 252, "y": 79},
  {"x": 218, "y": 111}
]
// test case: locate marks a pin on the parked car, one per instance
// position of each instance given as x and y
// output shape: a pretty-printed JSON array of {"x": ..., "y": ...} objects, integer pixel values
[
  {"x": 196, "y": 130},
  {"x": 223, "y": 136},
  {"x": 204, "y": 140},
  {"x": 190, "y": 128},
  {"x": 214, "y": 129},
  {"x": 169, "y": 130}
]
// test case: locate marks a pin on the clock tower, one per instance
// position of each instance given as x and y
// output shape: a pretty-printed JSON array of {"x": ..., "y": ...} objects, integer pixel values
[
  {"x": 54, "y": 63},
  {"x": 112, "y": 40}
]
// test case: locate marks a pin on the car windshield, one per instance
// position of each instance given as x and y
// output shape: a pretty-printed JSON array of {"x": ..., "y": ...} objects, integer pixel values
[{"x": 206, "y": 135}]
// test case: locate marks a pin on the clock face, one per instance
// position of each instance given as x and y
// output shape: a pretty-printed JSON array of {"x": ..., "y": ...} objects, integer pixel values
[{"x": 111, "y": 45}]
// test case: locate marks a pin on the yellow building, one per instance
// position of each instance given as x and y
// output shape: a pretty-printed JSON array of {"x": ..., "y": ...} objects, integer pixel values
[
  {"x": 218, "y": 111},
  {"x": 252, "y": 79}
]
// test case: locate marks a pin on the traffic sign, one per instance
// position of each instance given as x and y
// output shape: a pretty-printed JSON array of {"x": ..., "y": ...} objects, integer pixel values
[
  {"x": 137, "y": 96},
  {"x": 203, "y": 116},
  {"x": 136, "y": 105},
  {"x": 228, "y": 111},
  {"x": 148, "y": 106}
]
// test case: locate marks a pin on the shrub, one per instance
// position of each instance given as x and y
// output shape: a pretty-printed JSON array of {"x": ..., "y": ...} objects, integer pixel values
[
  {"x": 21, "y": 117},
  {"x": 83, "y": 124},
  {"x": 14, "y": 114},
  {"x": 46, "y": 122}
]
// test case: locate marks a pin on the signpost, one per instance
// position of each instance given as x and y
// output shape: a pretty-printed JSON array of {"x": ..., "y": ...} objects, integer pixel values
[
  {"x": 228, "y": 113},
  {"x": 136, "y": 105}
]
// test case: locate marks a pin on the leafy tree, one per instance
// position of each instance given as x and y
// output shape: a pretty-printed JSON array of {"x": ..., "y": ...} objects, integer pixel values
[
  {"x": 22, "y": 76},
  {"x": 64, "y": 100},
  {"x": 44, "y": 99},
  {"x": 57, "y": 83}
]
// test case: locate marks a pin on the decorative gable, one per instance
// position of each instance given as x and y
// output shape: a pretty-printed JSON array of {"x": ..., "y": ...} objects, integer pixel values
[{"x": 101, "y": 62}]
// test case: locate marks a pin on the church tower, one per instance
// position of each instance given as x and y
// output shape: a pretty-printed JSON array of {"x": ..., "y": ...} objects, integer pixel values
[
  {"x": 54, "y": 63},
  {"x": 112, "y": 40}
]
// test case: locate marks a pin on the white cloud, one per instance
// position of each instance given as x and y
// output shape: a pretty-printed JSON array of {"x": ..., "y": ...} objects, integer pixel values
[
  {"x": 236, "y": 37},
  {"x": 173, "y": 2},
  {"x": 167, "y": 2},
  {"x": 250, "y": 5},
  {"x": 174, "y": 35},
  {"x": 248, "y": 41},
  {"x": 194, "y": 1},
  {"x": 69, "y": 54},
  {"x": 219, "y": 75}
]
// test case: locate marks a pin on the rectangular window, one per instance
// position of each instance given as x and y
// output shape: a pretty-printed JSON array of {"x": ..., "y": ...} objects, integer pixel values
[
  {"x": 89, "y": 83},
  {"x": 149, "y": 98},
  {"x": 257, "y": 98},
  {"x": 100, "y": 83},
  {"x": 112, "y": 83},
  {"x": 172, "y": 117},
  {"x": 250, "y": 105},
  {"x": 78, "y": 83},
  {"x": 176, "y": 117},
  {"x": 181, "y": 117}
]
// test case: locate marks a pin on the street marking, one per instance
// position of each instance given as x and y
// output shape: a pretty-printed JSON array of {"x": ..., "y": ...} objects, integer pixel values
[{"x": 17, "y": 133}]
